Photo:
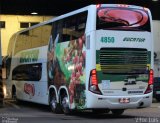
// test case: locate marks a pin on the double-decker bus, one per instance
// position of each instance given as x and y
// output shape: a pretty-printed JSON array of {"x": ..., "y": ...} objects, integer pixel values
[
  {"x": 1, "y": 84},
  {"x": 99, "y": 57}
]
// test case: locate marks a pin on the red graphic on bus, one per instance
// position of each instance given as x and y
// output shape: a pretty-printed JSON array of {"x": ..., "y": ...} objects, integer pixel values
[
  {"x": 29, "y": 89},
  {"x": 132, "y": 18}
]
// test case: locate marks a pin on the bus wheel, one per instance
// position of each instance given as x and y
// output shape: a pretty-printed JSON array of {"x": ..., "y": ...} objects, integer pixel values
[
  {"x": 65, "y": 105},
  {"x": 55, "y": 107},
  {"x": 14, "y": 96},
  {"x": 117, "y": 112},
  {"x": 14, "y": 93}
]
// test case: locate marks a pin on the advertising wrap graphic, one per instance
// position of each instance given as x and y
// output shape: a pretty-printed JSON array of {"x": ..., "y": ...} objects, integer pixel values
[{"x": 66, "y": 66}]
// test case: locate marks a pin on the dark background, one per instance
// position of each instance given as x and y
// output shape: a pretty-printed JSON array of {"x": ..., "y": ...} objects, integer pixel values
[{"x": 58, "y": 7}]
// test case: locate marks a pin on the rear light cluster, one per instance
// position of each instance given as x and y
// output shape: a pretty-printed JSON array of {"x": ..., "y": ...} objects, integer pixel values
[
  {"x": 93, "y": 82},
  {"x": 150, "y": 83}
]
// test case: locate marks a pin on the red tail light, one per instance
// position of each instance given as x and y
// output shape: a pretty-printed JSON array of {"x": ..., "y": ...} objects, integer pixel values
[
  {"x": 150, "y": 83},
  {"x": 94, "y": 77},
  {"x": 93, "y": 84}
]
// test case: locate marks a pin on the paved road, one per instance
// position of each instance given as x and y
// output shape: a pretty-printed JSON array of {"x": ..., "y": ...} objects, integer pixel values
[{"x": 34, "y": 113}]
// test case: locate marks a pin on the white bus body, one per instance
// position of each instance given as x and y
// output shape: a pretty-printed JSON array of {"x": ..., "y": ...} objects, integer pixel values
[{"x": 91, "y": 58}]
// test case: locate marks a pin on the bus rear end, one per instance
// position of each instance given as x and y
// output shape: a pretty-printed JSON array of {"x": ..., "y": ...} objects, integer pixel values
[{"x": 122, "y": 77}]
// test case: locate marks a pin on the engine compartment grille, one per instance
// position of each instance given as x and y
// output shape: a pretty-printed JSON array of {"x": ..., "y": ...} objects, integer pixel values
[{"x": 123, "y": 60}]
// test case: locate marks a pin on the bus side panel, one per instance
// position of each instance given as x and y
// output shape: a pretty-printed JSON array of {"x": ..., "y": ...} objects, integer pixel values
[
  {"x": 28, "y": 87},
  {"x": 32, "y": 91},
  {"x": 66, "y": 67}
]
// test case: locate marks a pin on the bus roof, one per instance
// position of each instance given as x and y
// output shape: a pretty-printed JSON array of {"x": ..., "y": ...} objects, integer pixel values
[
  {"x": 81, "y": 10},
  {"x": 57, "y": 18}
]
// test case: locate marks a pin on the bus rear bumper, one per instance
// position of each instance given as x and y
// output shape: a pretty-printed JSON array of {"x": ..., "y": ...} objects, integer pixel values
[{"x": 112, "y": 102}]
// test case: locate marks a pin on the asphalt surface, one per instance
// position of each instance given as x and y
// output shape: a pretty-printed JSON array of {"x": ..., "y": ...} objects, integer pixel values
[{"x": 26, "y": 112}]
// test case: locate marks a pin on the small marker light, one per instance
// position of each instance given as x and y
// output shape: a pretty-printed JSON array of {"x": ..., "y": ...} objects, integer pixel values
[{"x": 98, "y": 5}]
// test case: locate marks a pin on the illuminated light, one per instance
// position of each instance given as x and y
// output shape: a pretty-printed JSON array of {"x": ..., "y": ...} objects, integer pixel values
[
  {"x": 93, "y": 84},
  {"x": 126, "y": 5},
  {"x": 93, "y": 71},
  {"x": 123, "y": 5},
  {"x": 98, "y": 5},
  {"x": 150, "y": 82},
  {"x": 94, "y": 77},
  {"x": 4, "y": 91},
  {"x": 34, "y": 13},
  {"x": 146, "y": 9}
]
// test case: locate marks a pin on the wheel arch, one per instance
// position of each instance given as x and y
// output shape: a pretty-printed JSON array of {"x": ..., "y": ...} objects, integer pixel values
[
  {"x": 62, "y": 90},
  {"x": 52, "y": 88}
]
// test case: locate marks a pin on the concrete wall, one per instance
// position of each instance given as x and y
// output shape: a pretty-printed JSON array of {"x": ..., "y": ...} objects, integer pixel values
[
  {"x": 156, "y": 39},
  {"x": 12, "y": 25},
  {"x": 156, "y": 35}
]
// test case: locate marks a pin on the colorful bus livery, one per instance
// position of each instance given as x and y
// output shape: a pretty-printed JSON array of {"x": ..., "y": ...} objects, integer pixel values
[
  {"x": 30, "y": 56},
  {"x": 91, "y": 58},
  {"x": 66, "y": 66}
]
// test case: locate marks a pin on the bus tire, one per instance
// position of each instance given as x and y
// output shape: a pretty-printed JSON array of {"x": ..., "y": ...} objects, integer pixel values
[
  {"x": 14, "y": 96},
  {"x": 65, "y": 104},
  {"x": 117, "y": 112},
  {"x": 55, "y": 106}
]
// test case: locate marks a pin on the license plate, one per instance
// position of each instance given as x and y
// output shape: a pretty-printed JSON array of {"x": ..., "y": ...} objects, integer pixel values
[
  {"x": 157, "y": 92},
  {"x": 124, "y": 100}
]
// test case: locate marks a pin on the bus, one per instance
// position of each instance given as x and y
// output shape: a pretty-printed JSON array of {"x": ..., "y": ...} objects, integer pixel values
[
  {"x": 97, "y": 58},
  {"x": 1, "y": 83}
]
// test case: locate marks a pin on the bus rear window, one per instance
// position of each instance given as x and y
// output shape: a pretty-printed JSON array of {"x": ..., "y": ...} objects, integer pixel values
[{"x": 123, "y": 19}]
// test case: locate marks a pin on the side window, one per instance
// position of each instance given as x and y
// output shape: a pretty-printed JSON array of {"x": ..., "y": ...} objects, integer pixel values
[
  {"x": 33, "y": 38},
  {"x": 27, "y": 72},
  {"x": 21, "y": 41},
  {"x": 70, "y": 28},
  {"x": 7, "y": 60},
  {"x": 81, "y": 24},
  {"x": 57, "y": 30},
  {"x": 46, "y": 32},
  {"x": 11, "y": 45},
  {"x": 75, "y": 26}
]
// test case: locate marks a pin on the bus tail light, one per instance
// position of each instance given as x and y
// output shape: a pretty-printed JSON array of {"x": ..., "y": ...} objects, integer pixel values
[
  {"x": 93, "y": 82},
  {"x": 150, "y": 82},
  {"x": 98, "y": 5}
]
